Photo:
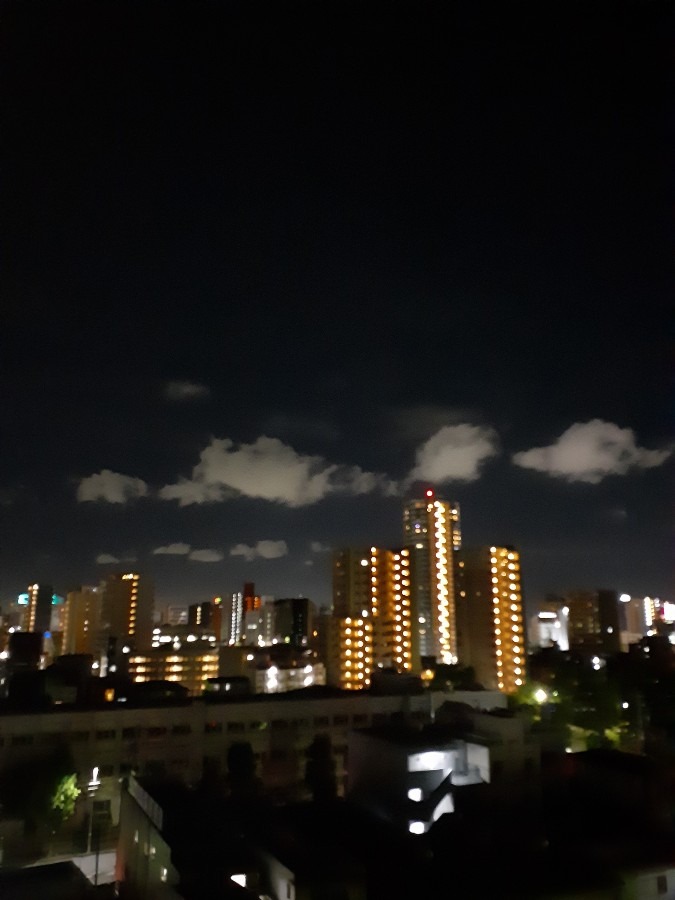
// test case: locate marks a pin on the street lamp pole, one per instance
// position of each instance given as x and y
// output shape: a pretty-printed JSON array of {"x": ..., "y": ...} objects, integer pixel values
[{"x": 92, "y": 787}]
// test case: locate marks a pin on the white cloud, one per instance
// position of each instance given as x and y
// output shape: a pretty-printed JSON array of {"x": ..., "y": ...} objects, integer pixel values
[
  {"x": 172, "y": 550},
  {"x": 454, "y": 453},
  {"x": 269, "y": 470},
  {"x": 318, "y": 547},
  {"x": 106, "y": 559},
  {"x": 186, "y": 391},
  {"x": 589, "y": 452},
  {"x": 110, "y": 487},
  {"x": 206, "y": 556},
  {"x": 261, "y": 550}
]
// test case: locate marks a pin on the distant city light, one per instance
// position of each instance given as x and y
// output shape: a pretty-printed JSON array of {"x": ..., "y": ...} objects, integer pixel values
[
  {"x": 668, "y": 612},
  {"x": 540, "y": 695},
  {"x": 624, "y": 598}
]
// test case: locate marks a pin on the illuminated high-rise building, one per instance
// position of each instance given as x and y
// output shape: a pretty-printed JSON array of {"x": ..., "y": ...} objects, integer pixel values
[
  {"x": 234, "y": 618},
  {"x": 349, "y": 656},
  {"x": 390, "y": 609},
  {"x": 432, "y": 534},
  {"x": 82, "y": 620},
  {"x": 217, "y": 618},
  {"x": 490, "y": 624},
  {"x": 38, "y": 608},
  {"x": 374, "y": 583},
  {"x": 351, "y": 581},
  {"x": 127, "y": 609},
  {"x": 200, "y": 614},
  {"x": 251, "y": 599}
]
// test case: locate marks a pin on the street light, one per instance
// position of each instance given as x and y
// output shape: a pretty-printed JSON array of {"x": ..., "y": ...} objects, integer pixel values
[
  {"x": 92, "y": 787},
  {"x": 540, "y": 695}
]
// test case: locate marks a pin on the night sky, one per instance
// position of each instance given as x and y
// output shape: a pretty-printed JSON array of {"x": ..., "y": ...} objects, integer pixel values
[{"x": 266, "y": 265}]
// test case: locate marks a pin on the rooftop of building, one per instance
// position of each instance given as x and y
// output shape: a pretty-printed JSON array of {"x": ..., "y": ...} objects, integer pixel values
[
  {"x": 414, "y": 738},
  {"x": 56, "y": 881},
  {"x": 157, "y": 694}
]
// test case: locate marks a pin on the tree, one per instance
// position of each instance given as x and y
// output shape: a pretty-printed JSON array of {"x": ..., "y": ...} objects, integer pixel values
[
  {"x": 320, "y": 770},
  {"x": 241, "y": 765},
  {"x": 65, "y": 796},
  {"x": 28, "y": 785}
]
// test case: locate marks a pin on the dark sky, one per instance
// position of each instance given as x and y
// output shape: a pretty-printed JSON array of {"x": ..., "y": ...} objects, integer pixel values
[{"x": 335, "y": 247}]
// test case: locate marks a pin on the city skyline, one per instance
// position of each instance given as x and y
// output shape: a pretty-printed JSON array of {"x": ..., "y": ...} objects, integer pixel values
[{"x": 267, "y": 276}]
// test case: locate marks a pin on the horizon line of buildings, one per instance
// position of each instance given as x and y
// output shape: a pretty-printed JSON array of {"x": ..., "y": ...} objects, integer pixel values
[{"x": 405, "y": 610}]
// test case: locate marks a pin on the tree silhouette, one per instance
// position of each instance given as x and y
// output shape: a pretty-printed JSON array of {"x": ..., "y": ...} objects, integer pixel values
[
  {"x": 320, "y": 770},
  {"x": 29, "y": 785},
  {"x": 241, "y": 778}
]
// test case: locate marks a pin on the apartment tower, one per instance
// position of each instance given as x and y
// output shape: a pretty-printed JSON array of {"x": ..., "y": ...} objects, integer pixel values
[
  {"x": 490, "y": 624},
  {"x": 127, "y": 608},
  {"x": 371, "y": 605},
  {"x": 82, "y": 620},
  {"x": 431, "y": 529}
]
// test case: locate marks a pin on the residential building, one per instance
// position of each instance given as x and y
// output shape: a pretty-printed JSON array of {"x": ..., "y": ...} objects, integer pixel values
[
  {"x": 271, "y": 669},
  {"x": 127, "y": 610},
  {"x": 351, "y": 581},
  {"x": 176, "y": 615},
  {"x": 276, "y": 679},
  {"x": 82, "y": 621},
  {"x": 260, "y": 624},
  {"x": 250, "y": 598},
  {"x": 349, "y": 652},
  {"x": 191, "y": 666},
  {"x": 390, "y": 609},
  {"x": 175, "y": 636},
  {"x": 38, "y": 609},
  {"x": 123, "y": 738},
  {"x": 200, "y": 614},
  {"x": 408, "y": 776},
  {"x": 637, "y": 616},
  {"x": 491, "y": 631},
  {"x": 234, "y": 618},
  {"x": 371, "y": 585},
  {"x": 431, "y": 530},
  {"x": 294, "y": 620},
  {"x": 593, "y": 622},
  {"x": 218, "y": 619},
  {"x": 548, "y": 627}
]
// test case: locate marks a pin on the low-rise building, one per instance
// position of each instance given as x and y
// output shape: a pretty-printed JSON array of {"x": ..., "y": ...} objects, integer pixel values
[
  {"x": 176, "y": 738},
  {"x": 408, "y": 776},
  {"x": 191, "y": 665}
]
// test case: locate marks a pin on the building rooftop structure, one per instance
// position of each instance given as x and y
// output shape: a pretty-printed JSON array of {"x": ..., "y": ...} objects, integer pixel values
[{"x": 55, "y": 881}]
